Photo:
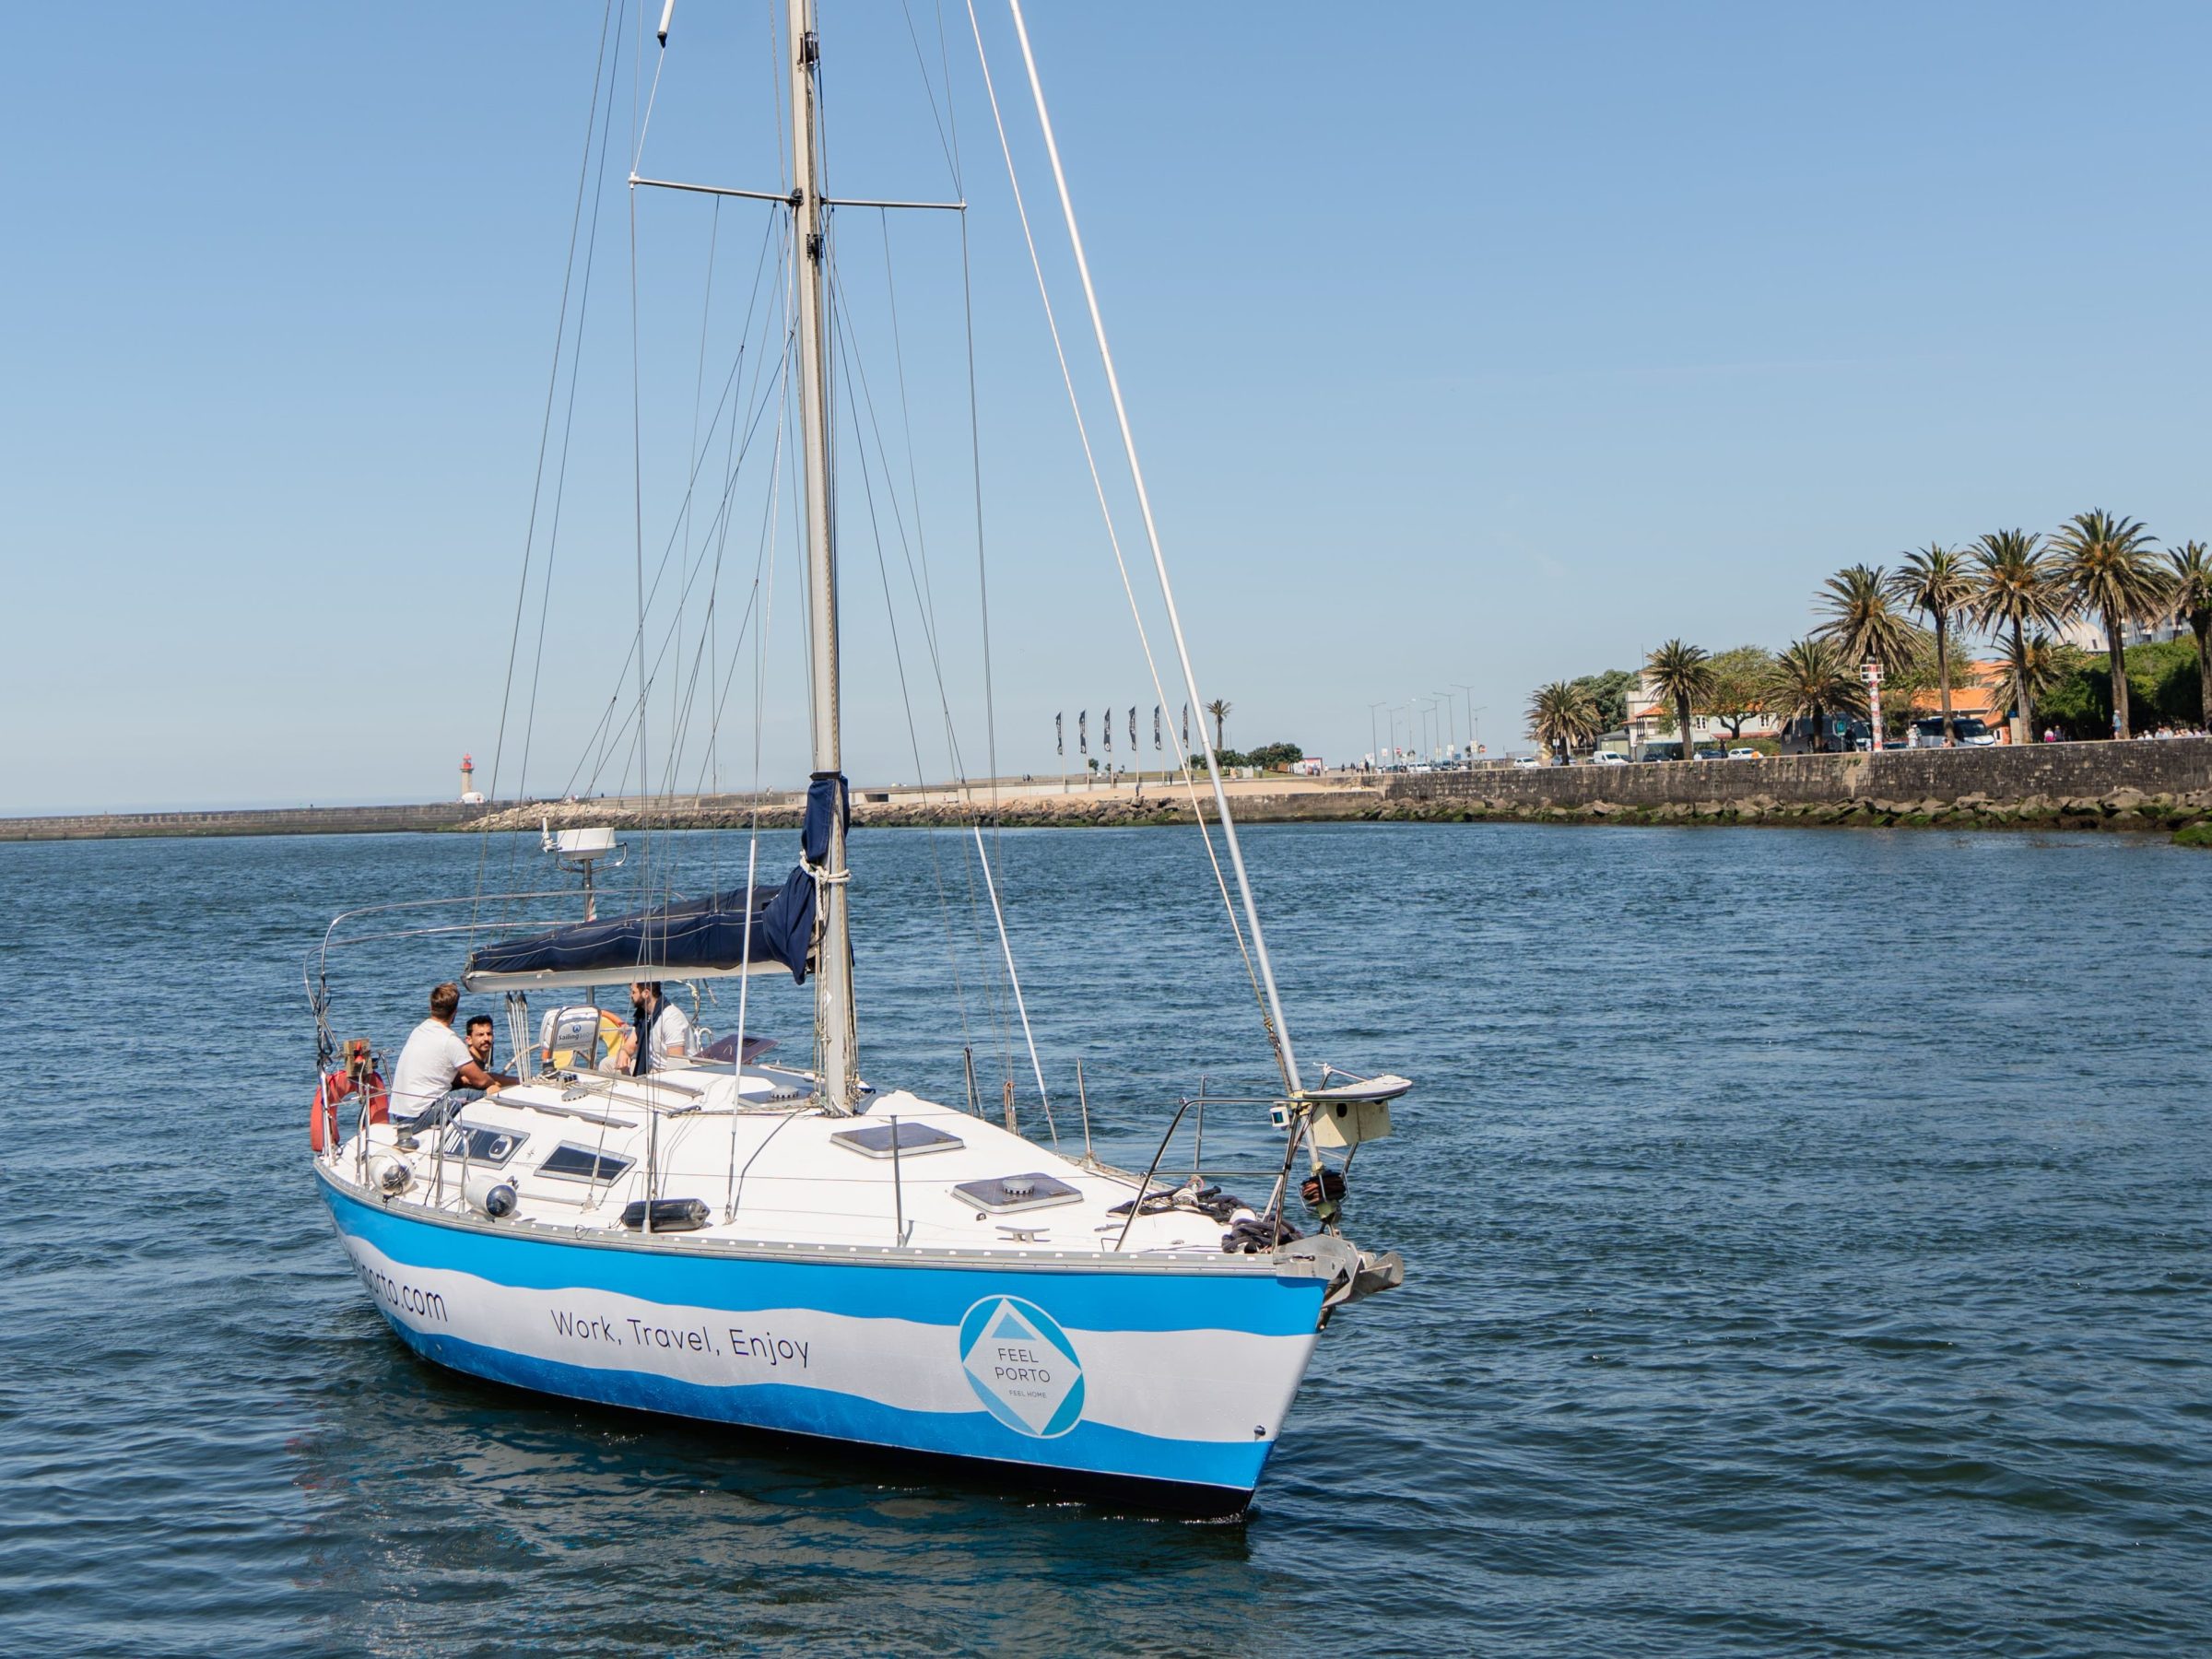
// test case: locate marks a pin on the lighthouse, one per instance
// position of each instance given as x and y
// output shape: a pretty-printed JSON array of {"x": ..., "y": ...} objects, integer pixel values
[{"x": 468, "y": 780}]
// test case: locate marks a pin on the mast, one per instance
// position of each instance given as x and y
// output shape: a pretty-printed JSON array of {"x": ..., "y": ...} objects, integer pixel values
[{"x": 833, "y": 1027}]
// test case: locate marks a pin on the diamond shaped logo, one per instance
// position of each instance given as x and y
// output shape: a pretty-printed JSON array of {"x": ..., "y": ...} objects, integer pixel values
[{"x": 1022, "y": 1366}]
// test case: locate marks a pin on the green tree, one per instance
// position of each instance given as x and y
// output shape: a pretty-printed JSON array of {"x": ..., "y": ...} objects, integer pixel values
[
  {"x": 1268, "y": 757},
  {"x": 1935, "y": 582},
  {"x": 1811, "y": 680},
  {"x": 2160, "y": 684},
  {"x": 2107, "y": 564},
  {"x": 1561, "y": 717},
  {"x": 1219, "y": 710},
  {"x": 1681, "y": 674},
  {"x": 1608, "y": 693},
  {"x": 2192, "y": 604},
  {"x": 2027, "y": 667},
  {"x": 1862, "y": 619},
  {"x": 2016, "y": 589},
  {"x": 1741, "y": 679}
]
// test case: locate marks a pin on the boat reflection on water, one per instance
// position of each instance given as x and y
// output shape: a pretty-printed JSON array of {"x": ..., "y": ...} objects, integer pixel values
[{"x": 451, "y": 1511}]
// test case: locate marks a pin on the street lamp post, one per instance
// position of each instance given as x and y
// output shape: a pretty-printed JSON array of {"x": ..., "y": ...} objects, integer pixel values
[
  {"x": 1473, "y": 730},
  {"x": 1373, "y": 739}
]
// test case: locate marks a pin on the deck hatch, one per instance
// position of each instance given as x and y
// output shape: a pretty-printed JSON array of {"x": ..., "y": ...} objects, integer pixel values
[
  {"x": 1004, "y": 1193},
  {"x": 494, "y": 1147},
  {"x": 874, "y": 1140},
  {"x": 581, "y": 1163}
]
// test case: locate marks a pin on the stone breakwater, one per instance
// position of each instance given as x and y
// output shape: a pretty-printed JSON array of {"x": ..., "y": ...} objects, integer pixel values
[
  {"x": 283, "y": 821},
  {"x": 1101, "y": 810},
  {"x": 2144, "y": 786}
]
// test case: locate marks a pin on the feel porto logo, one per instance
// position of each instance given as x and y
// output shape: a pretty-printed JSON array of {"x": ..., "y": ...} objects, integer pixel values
[{"x": 1022, "y": 1366}]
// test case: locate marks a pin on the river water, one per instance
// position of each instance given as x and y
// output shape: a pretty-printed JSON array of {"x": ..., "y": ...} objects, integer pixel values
[{"x": 1807, "y": 1240}]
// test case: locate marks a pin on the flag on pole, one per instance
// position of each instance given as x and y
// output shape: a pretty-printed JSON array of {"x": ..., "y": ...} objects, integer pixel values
[
  {"x": 1156, "y": 739},
  {"x": 1132, "y": 728},
  {"x": 1106, "y": 726},
  {"x": 1082, "y": 733},
  {"x": 1059, "y": 736},
  {"x": 1186, "y": 728}
]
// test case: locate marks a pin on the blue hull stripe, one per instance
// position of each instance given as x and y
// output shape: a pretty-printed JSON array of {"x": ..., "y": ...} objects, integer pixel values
[
  {"x": 1260, "y": 1305},
  {"x": 1089, "y": 1448}
]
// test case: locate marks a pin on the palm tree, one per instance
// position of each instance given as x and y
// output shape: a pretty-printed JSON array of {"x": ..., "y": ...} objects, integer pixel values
[
  {"x": 1862, "y": 620},
  {"x": 2031, "y": 665},
  {"x": 2192, "y": 604},
  {"x": 1936, "y": 581},
  {"x": 1561, "y": 716},
  {"x": 1811, "y": 680},
  {"x": 2015, "y": 588},
  {"x": 1681, "y": 674},
  {"x": 1219, "y": 710},
  {"x": 2106, "y": 562}
]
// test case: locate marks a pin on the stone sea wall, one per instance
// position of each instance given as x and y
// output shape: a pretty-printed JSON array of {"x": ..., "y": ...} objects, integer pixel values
[
  {"x": 293, "y": 820},
  {"x": 2062, "y": 785},
  {"x": 2135, "y": 785},
  {"x": 1102, "y": 809}
]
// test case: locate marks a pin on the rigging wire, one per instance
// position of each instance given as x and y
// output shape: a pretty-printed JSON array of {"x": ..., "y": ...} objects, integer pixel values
[
  {"x": 637, "y": 445},
  {"x": 1279, "y": 1030},
  {"x": 1044, "y": 1096},
  {"x": 765, "y": 556},
  {"x": 899, "y": 658},
  {"x": 1106, "y": 511},
  {"x": 691, "y": 571},
  {"x": 583, "y": 166},
  {"x": 710, "y": 635},
  {"x": 930, "y": 92},
  {"x": 561, "y": 477},
  {"x": 850, "y": 366},
  {"x": 768, "y": 520},
  {"x": 718, "y": 534}
]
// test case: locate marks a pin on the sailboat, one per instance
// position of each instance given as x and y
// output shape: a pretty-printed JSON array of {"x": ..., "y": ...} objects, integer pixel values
[{"x": 799, "y": 1249}]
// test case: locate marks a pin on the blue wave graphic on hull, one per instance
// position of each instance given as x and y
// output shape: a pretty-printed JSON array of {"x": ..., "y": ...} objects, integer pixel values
[
  {"x": 1262, "y": 1305},
  {"x": 1088, "y": 1449},
  {"x": 1022, "y": 1421}
]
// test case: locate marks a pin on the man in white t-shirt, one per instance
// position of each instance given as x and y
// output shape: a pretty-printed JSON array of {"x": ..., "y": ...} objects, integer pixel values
[
  {"x": 436, "y": 1063},
  {"x": 668, "y": 1032}
]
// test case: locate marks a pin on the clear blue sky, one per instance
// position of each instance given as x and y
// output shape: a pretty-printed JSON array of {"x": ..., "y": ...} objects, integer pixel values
[{"x": 1492, "y": 345}]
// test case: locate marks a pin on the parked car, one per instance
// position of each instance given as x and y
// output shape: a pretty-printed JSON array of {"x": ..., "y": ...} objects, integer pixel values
[
  {"x": 1709, "y": 754},
  {"x": 1525, "y": 760},
  {"x": 1745, "y": 753},
  {"x": 1608, "y": 757},
  {"x": 1967, "y": 730}
]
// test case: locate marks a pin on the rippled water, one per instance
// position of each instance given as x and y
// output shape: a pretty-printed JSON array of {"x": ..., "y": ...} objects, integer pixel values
[{"x": 1808, "y": 1239}]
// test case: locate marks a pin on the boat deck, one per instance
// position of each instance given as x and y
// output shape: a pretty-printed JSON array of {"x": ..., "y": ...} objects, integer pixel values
[{"x": 767, "y": 1166}]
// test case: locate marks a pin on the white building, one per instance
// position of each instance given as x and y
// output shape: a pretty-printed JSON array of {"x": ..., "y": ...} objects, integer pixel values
[
  {"x": 2087, "y": 633},
  {"x": 1648, "y": 710}
]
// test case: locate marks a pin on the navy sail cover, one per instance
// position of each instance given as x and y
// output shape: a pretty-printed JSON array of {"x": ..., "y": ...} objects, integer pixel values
[{"x": 707, "y": 934}]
